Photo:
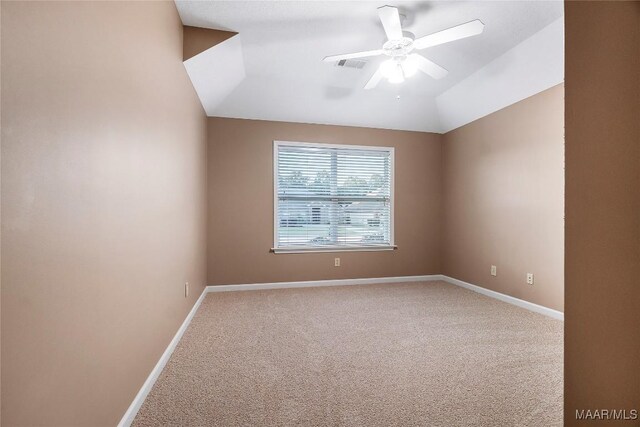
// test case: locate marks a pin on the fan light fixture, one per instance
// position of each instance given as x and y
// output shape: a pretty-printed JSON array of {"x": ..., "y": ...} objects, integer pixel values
[
  {"x": 396, "y": 70},
  {"x": 403, "y": 62},
  {"x": 392, "y": 71}
]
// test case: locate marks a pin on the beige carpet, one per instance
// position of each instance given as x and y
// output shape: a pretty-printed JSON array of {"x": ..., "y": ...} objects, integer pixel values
[{"x": 412, "y": 354}]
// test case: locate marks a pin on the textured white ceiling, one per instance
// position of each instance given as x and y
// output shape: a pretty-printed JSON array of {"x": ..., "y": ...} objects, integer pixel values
[
  {"x": 283, "y": 44},
  {"x": 532, "y": 66}
]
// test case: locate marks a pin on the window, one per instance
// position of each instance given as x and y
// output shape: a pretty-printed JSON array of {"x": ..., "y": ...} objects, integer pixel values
[{"x": 332, "y": 197}]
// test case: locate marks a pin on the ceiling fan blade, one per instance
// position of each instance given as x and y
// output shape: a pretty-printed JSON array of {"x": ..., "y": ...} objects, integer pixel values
[
  {"x": 458, "y": 32},
  {"x": 363, "y": 54},
  {"x": 390, "y": 21},
  {"x": 374, "y": 80},
  {"x": 428, "y": 67}
]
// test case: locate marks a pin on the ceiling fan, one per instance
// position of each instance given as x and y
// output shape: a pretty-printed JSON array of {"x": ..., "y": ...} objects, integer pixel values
[{"x": 402, "y": 63}]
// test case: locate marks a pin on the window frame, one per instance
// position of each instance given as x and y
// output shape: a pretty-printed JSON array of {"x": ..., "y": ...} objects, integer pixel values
[{"x": 339, "y": 248}]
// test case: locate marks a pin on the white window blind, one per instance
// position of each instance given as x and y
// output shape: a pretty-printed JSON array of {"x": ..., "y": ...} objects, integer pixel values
[{"x": 332, "y": 197}]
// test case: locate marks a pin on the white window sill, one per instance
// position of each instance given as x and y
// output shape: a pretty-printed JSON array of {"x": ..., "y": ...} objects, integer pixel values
[{"x": 304, "y": 250}]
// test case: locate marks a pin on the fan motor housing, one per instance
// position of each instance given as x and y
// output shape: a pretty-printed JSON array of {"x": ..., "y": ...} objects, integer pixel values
[{"x": 399, "y": 47}]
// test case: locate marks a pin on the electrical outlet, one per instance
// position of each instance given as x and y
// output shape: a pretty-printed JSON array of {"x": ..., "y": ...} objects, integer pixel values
[
  {"x": 494, "y": 270},
  {"x": 529, "y": 278},
  {"x": 186, "y": 289},
  {"x": 336, "y": 262}
]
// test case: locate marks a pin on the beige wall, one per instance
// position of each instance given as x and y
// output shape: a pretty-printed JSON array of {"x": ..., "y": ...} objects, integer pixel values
[
  {"x": 240, "y": 228},
  {"x": 103, "y": 205},
  {"x": 503, "y": 200},
  {"x": 602, "y": 327}
]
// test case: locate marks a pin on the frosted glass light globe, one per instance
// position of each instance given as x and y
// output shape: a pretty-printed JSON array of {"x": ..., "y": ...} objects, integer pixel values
[
  {"x": 387, "y": 68},
  {"x": 409, "y": 66},
  {"x": 392, "y": 71}
]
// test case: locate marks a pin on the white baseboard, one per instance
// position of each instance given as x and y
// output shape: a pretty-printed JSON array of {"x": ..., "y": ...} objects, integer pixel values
[
  {"x": 506, "y": 298},
  {"x": 129, "y": 416},
  {"x": 131, "y": 413},
  {"x": 345, "y": 282},
  {"x": 317, "y": 283}
]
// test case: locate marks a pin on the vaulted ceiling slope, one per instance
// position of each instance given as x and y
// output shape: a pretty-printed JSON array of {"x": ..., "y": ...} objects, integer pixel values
[{"x": 282, "y": 44}]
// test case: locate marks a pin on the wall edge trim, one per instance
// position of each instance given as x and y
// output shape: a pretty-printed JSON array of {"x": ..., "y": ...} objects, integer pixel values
[
  {"x": 135, "y": 406},
  {"x": 546, "y": 311},
  {"x": 322, "y": 283}
]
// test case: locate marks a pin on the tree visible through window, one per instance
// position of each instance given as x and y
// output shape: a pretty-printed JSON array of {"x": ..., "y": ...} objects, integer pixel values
[{"x": 330, "y": 196}]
